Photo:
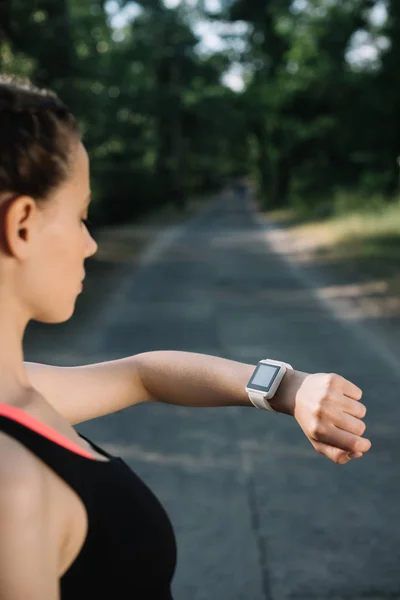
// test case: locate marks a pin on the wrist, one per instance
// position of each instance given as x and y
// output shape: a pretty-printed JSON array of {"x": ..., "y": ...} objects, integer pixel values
[{"x": 284, "y": 400}]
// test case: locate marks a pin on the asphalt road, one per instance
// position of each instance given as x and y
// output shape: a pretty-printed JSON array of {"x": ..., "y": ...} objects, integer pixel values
[{"x": 257, "y": 513}]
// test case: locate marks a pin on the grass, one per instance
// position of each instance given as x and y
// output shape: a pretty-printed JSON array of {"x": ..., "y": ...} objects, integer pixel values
[{"x": 362, "y": 234}]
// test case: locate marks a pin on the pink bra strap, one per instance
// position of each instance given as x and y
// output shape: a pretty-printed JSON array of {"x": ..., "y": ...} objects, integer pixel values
[{"x": 27, "y": 420}]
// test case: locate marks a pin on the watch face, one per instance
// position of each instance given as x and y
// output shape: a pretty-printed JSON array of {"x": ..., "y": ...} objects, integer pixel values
[{"x": 263, "y": 377}]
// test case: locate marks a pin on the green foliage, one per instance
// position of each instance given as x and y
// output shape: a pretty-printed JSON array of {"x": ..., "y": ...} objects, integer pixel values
[
  {"x": 160, "y": 126},
  {"x": 156, "y": 120},
  {"x": 320, "y": 123}
]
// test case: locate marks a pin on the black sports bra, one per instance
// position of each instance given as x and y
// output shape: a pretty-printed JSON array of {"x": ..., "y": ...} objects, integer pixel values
[{"x": 130, "y": 549}]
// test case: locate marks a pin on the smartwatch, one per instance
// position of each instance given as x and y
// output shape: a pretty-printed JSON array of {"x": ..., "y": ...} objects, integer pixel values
[{"x": 265, "y": 381}]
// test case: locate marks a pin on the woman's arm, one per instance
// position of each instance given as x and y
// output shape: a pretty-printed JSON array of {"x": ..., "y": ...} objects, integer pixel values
[{"x": 326, "y": 407}]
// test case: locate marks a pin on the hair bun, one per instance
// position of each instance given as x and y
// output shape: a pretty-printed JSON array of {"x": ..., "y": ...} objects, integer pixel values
[
  {"x": 22, "y": 100},
  {"x": 8, "y": 100},
  {"x": 37, "y": 136}
]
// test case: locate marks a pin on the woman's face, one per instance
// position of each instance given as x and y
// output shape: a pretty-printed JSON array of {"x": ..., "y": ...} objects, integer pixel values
[{"x": 54, "y": 270}]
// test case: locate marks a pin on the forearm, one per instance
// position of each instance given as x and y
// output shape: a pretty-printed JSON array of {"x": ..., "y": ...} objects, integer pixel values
[
  {"x": 189, "y": 379},
  {"x": 326, "y": 406}
]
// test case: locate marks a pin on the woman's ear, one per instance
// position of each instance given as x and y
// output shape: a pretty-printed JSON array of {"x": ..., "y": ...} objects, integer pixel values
[{"x": 18, "y": 216}]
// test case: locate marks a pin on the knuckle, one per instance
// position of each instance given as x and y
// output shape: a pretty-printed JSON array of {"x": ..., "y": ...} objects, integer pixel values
[
  {"x": 322, "y": 404},
  {"x": 313, "y": 427},
  {"x": 319, "y": 412},
  {"x": 357, "y": 445},
  {"x": 361, "y": 428},
  {"x": 353, "y": 445},
  {"x": 326, "y": 396},
  {"x": 330, "y": 379},
  {"x": 317, "y": 429},
  {"x": 363, "y": 410},
  {"x": 336, "y": 457}
]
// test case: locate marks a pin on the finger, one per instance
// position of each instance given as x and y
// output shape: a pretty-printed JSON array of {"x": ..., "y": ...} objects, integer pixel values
[
  {"x": 344, "y": 440},
  {"x": 334, "y": 454},
  {"x": 356, "y": 409},
  {"x": 348, "y": 388},
  {"x": 349, "y": 406},
  {"x": 349, "y": 423}
]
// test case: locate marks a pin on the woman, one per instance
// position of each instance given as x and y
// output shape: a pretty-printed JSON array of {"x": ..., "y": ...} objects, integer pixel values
[{"x": 76, "y": 522}]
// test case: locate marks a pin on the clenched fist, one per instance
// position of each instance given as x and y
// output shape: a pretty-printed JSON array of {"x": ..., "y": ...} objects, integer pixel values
[{"x": 328, "y": 409}]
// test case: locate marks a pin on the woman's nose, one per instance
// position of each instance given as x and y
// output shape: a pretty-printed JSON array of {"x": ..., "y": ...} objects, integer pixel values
[{"x": 91, "y": 246}]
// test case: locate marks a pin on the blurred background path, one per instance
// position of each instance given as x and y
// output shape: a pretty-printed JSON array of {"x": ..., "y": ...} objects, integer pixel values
[{"x": 258, "y": 514}]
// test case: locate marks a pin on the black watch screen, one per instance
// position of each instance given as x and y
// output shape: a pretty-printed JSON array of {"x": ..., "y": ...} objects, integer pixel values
[{"x": 263, "y": 377}]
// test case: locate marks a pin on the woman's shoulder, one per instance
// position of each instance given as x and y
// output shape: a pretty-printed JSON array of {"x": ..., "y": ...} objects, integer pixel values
[
  {"x": 19, "y": 468},
  {"x": 23, "y": 486},
  {"x": 33, "y": 497},
  {"x": 29, "y": 542}
]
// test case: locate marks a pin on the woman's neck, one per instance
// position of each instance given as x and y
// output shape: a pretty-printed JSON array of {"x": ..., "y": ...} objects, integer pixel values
[{"x": 13, "y": 375}]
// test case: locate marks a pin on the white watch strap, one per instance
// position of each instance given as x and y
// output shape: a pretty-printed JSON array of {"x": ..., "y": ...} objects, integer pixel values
[
  {"x": 287, "y": 365},
  {"x": 259, "y": 400}
]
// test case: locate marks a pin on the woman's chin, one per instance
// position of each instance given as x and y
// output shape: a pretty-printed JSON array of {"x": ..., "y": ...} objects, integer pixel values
[{"x": 56, "y": 317}]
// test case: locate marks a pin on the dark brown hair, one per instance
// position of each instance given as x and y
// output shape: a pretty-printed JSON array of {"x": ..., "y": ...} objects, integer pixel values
[{"x": 37, "y": 131}]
